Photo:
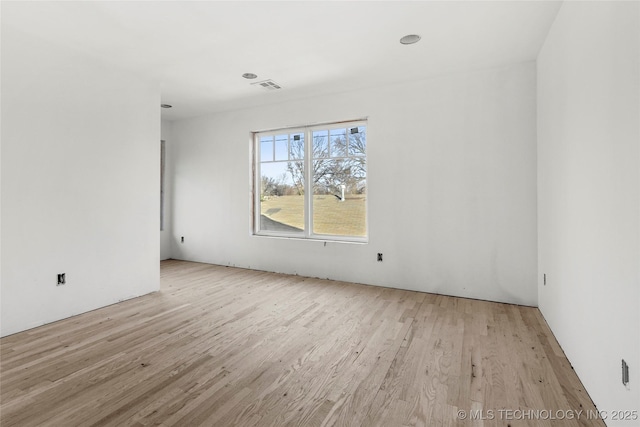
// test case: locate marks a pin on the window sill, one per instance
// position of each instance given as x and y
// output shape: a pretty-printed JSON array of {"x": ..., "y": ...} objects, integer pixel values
[{"x": 320, "y": 239}]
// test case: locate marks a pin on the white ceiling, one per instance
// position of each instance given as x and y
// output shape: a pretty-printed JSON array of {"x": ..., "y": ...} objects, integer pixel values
[{"x": 197, "y": 51}]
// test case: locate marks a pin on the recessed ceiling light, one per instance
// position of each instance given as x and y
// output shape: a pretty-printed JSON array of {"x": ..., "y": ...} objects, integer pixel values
[
  {"x": 166, "y": 105},
  {"x": 249, "y": 76},
  {"x": 410, "y": 39}
]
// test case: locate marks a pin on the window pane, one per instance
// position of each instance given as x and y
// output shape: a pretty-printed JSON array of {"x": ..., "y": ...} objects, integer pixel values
[
  {"x": 358, "y": 141},
  {"x": 266, "y": 148},
  {"x": 282, "y": 147},
  {"x": 282, "y": 196},
  {"x": 339, "y": 197},
  {"x": 296, "y": 147},
  {"x": 338, "y": 143},
  {"x": 162, "y": 167},
  {"x": 320, "y": 143}
]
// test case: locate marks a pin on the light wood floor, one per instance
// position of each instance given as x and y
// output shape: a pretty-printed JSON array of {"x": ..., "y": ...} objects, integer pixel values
[{"x": 222, "y": 346}]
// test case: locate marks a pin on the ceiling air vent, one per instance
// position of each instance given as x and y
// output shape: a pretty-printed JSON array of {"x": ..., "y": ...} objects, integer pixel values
[{"x": 267, "y": 85}]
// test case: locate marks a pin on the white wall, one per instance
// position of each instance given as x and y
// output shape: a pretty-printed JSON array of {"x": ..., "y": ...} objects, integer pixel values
[
  {"x": 166, "y": 235},
  {"x": 452, "y": 187},
  {"x": 80, "y": 183},
  {"x": 589, "y": 203}
]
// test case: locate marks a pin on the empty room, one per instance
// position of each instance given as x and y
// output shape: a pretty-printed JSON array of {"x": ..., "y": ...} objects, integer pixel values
[{"x": 319, "y": 213}]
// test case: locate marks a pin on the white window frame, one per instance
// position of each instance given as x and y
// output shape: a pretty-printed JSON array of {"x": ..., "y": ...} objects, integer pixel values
[{"x": 307, "y": 233}]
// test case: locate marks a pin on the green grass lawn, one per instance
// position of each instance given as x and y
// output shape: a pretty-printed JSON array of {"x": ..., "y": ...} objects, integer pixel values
[{"x": 330, "y": 215}]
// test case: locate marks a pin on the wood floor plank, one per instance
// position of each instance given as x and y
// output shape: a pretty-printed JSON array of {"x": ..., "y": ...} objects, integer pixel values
[{"x": 231, "y": 347}]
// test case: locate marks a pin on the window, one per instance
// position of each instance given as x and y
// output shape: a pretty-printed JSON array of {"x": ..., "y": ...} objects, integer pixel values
[
  {"x": 311, "y": 182},
  {"x": 162, "y": 166}
]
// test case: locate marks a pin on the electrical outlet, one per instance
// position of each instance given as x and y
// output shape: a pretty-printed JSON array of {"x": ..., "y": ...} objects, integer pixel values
[
  {"x": 62, "y": 279},
  {"x": 544, "y": 279},
  {"x": 625, "y": 373},
  {"x": 182, "y": 239},
  {"x": 379, "y": 257}
]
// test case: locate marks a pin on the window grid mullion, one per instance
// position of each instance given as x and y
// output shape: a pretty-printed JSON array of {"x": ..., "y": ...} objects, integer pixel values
[
  {"x": 308, "y": 177},
  {"x": 274, "y": 147},
  {"x": 347, "y": 142}
]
